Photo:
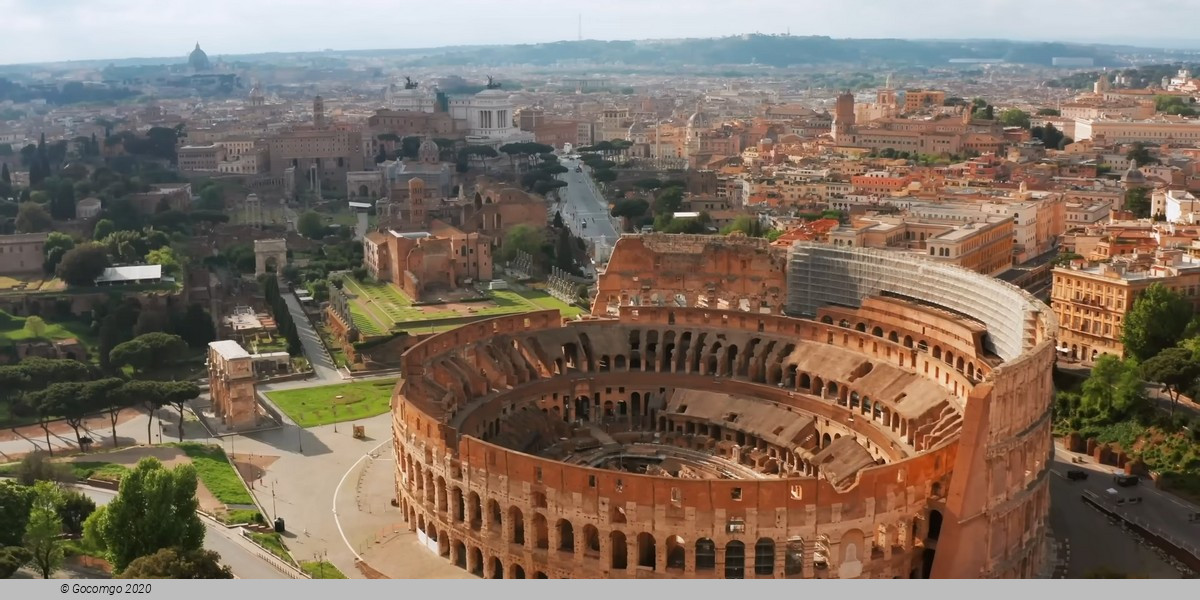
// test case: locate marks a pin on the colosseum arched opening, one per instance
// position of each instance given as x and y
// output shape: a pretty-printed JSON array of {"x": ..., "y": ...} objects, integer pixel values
[{"x": 865, "y": 427}]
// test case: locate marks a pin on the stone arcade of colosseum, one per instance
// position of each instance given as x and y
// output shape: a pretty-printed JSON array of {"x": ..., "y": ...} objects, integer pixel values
[{"x": 739, "y": 411}]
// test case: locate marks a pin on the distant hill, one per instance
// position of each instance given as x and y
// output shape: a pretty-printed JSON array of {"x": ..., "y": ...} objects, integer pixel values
[{"x": 767, "y": 50}]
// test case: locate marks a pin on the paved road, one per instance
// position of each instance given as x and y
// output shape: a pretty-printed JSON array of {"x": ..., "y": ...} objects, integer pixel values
[
  {"x": 582, "y": 202},
  {"x": 234, "y": 552},
  {"x": 1158, "y": 511},
  {"x": 322, "y": 365}
]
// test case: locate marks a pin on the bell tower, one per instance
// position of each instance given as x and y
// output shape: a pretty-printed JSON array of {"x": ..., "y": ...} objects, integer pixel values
[
  {"x": 843, "y": 117},
  {"x": 319, "y": 112},
  {"x": 416, "y": 202}
]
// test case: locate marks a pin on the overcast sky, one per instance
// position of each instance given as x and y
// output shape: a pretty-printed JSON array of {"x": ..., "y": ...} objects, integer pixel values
[{"x": 50, "y": 30}]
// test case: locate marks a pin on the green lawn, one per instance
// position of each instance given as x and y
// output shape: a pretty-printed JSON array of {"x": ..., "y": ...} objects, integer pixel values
[
  {"x": 98, "y": 470},
  {"x": 544, "y": 301},
  {"x": 264, "y": 343},
  {"x": 274, "y": 544},
  {"x": 241, "y": 515},
  {"x": 382, "y": 307},
  {"x": 217, "y": 474},
  {"x": 13, "y": 330},
  {"x": 310, "y": 407},
  {"x": 321, "y": 570}
]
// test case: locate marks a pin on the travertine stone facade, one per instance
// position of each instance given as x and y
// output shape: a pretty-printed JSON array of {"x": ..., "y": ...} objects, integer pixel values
[
  {"x": 231, "y": 384},
  {"x": 881, "y": 437}
]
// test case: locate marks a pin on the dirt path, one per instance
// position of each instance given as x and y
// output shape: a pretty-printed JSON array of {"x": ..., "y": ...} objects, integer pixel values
[{"x": 99, "y": 423}]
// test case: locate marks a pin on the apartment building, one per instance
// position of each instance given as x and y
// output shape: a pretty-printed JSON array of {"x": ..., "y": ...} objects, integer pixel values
[{"x": 1092, "y": 299}]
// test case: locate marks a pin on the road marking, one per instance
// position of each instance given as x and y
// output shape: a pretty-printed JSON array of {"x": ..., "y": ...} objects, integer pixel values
[{"x": 338, "y": 521}]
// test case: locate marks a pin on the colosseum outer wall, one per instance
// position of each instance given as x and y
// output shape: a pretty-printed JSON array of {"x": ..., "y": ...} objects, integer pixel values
[{"x": 498, "y": 512}]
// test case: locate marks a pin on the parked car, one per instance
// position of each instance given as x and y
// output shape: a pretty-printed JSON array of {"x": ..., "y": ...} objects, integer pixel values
[
  {"x": 1077, "y": 474},
  {"x": 1126, "y": 480}
]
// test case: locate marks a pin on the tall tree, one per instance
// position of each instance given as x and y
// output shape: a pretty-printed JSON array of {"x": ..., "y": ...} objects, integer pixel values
[
  {"x": 170, "y": 563},
  {"x": 4, "y": 174},
  {"x": 1113, "y": 391},
  {"x": 151, "y": 395},
  {"x": 32, "y": 218},
  {"x": 178, "y": 394},
  {"x": 56, "y": 246},
  {"x": 564, "y": 254},
  {"x": 1156, "y": 321},
  {"x": 83, "y": 264},
  {"x": 1137, "y": 201},
  {"x": 105, "y": 395},
  {"x": 1175, "y": 369},
  {"x": 103, "y": 229},
  {"x": 66, "y": 400},
  {"x": 195, "y": 326},
  {"x": 310, "y": 225},
  {"x": 15, "y": 501},
  {"x": 35, "y": 326},
  {"x": 73, "y": 509},
  {"x": 154, "y": 509},
  {"x": 44, "y": 529},
  {"x": 149, "y": 353},
  {"x": 1140, "y": 155},
  {"x": 12, "y": 558}
]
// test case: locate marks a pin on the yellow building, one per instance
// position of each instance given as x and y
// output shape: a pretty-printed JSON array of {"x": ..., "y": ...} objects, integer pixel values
[
  {"x": 915, "y": 100},
  {"x": 1091, "y": 301}
]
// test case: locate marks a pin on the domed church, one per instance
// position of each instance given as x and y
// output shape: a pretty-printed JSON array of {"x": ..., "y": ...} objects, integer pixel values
[{"x": 198, "y": 60}]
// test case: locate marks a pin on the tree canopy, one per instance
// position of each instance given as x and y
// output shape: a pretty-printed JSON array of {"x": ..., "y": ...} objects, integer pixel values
[
  {"x": 171, "y": 563},
  {"x": 148, "y": 353},
  {"x": 154, "y": 509},
  {"x": 310, "y": 225},
  {"x": 1014, "y": 117},
  {"x": 1176, "y": 369},
  {"x": 81, "y": 265},
  {"x": 32, "y": 218},
  {"x": 522, "y": 238},
  {"x": 1156, "y": 321},
  {"x": 43, "y": 531}
]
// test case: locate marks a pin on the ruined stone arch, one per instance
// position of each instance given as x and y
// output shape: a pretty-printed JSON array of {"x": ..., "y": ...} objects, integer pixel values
[
  {"x": 764, "y": 557},
  {"x": 706, "y": 555},
  {"x": 735, "y": 560},
  {"x": 647, "y": 554},
  {"x": 618, "y": 550},
  {"x": 591, "y": 538},
  {"x": 267, "y": 252},
  {"x": 566, "y": 535},
  {"x": 516, "y": 520},
  {"x": 676, "y": 552}
]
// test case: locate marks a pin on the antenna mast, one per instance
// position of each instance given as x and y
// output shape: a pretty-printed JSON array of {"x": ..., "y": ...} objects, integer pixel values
[{"x": 579, "y": 33}]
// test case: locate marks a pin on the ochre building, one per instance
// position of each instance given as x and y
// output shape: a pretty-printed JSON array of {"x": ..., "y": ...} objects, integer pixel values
[{"x": 887, "y": 416}]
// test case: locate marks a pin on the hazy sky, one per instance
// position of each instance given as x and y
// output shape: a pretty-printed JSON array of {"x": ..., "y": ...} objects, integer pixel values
[{"x": 48, "y": 30}]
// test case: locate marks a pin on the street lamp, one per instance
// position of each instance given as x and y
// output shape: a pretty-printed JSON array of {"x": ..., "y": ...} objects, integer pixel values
[{"x": 335, "y": 401}]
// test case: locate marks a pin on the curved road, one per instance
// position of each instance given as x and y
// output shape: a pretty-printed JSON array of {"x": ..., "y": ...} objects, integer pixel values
[{"x": 234, "y": 551}]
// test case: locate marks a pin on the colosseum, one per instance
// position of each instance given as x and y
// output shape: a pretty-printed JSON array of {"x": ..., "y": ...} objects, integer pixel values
[{"x": 734, "y": 410}]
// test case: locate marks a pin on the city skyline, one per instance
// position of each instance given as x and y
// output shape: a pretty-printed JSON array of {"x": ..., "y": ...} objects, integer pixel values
[{"x": 84, "y": 31}]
